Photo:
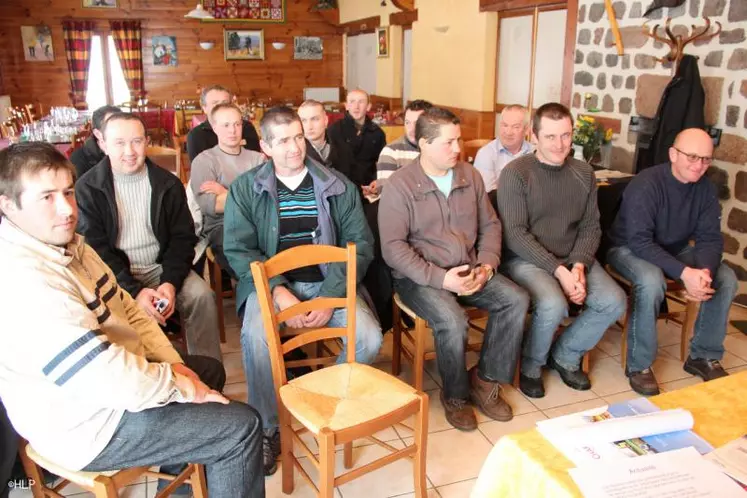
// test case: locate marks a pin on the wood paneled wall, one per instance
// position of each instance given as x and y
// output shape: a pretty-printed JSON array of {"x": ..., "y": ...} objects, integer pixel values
[{"x": 278, "y": 76}]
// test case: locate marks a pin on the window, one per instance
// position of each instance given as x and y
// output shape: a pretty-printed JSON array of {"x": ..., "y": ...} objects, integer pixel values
[{"x": 106, "y": 81}]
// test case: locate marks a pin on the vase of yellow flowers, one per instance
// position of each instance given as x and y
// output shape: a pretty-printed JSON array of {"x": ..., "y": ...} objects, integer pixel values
[{"x": 590, "y": 138}]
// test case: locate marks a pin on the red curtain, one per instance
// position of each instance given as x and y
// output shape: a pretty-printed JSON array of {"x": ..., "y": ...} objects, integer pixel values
[
  {"x": 77, "y": 35},
  {"x": 128, "y": 41}
]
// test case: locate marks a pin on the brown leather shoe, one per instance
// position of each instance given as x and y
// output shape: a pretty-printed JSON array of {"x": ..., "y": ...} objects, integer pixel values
[
  {"x": 644, "y": 382},
  {"x": 487, "y": 396},
  {"x": 459, "y": 413}
]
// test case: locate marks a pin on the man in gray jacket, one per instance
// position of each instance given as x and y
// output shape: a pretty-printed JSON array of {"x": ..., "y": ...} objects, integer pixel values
[{"x": 442, "y": 239}]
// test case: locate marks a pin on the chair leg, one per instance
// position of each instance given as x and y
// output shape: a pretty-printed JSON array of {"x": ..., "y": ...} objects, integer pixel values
[
  {"x": 286, "y": 450},
  {"x": 396, "y": 340},
  {"x": 32, "y": 471},
  {"x": 624, "y": 338},
  {"x": 421, "y": 439},
  {"x": 688, "y": 327},
  {"x": 585, "y": 365},
  {"x": 103, "y": 487},
  {"x": 199, "y": 484},
  {"x": 418, "y": 363},
  {"x": 348, "y": 455},
  {"x": 326, "y": 440},
  {"x": 217, "y": 284}
]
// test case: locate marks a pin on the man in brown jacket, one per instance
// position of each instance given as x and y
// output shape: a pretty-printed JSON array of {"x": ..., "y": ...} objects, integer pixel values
[{"x": 442, "y": 239}]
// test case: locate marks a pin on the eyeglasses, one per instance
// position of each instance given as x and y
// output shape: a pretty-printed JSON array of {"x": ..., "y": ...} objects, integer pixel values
[{"x": 694, "y": 157}]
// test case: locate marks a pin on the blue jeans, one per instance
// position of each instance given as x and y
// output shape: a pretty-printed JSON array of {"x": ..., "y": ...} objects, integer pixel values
[
  {"x": 225, "y": 438},
  {"x": 507, "y": 306},
  {"x": 605, "y": 303},
  {"x": 649, "y": 286},
  {"x": 257, "y": 357}
]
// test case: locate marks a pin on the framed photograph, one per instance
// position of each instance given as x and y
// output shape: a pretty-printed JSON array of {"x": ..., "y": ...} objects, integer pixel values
[
  {"x": 382, "y": 41},
  {"x": 37, "y": 43},
  {"x": 243, "y": 44},
  {"x": 164, "y": 50},
  {"x": 307, "y": 48},
  {"x": 99, "y": 4}
]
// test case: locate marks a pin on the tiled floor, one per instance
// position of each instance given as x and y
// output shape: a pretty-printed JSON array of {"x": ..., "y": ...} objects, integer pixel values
[{"x": 455, "y": 458}]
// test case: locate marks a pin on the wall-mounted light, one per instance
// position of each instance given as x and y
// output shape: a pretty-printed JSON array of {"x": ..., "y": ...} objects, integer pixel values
[
  {"x": 207, "y": 45},
  {"x": 441, "y": 29},
  {"x": 278, "y": 45},
  {"x": 383, "y": 3},
  {"x": 199, "y": 13}
]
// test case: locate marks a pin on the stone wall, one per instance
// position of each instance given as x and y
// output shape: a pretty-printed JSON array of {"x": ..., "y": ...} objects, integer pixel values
[{"x": 632, "y": 84}]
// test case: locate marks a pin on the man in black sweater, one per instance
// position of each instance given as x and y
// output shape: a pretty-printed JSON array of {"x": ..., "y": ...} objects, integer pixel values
[
  {"x": 362, "y": 136},
  {"x": 664, "y": 209},
  {"x": 202, "y": 136},
  {"x": 91, "y": 154}
]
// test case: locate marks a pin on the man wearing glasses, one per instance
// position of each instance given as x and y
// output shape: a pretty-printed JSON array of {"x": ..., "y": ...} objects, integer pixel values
[{"x": 669, "y": 227}]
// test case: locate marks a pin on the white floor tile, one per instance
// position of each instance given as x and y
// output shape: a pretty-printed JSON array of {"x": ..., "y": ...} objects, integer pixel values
[{"x": 494, "y": 430}]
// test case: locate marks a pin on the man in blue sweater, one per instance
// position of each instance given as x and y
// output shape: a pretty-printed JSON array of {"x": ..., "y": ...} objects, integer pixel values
[{"x": 664, "y": 209}]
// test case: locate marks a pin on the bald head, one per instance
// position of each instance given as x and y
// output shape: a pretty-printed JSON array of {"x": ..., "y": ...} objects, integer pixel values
[
  {"x": 691, "y": 154},
  {"x": 357, "y": 104}
]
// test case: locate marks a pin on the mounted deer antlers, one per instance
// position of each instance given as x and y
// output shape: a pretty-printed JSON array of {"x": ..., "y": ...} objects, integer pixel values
[{"x": 677, "y": 42}]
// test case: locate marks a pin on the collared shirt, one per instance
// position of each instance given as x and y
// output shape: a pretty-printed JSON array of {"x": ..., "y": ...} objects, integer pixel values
[{"x": 492, "y": 158}]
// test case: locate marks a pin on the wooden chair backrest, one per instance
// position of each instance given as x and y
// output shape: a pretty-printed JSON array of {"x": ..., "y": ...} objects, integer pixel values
[
  {"x": 470, "y": 148},
  {"x": 166, "y": 157},
  {"x": 298, "y": 257}
]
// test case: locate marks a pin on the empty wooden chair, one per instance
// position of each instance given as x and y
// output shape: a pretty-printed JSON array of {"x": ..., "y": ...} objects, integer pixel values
[{"x": 340, "y": 403}]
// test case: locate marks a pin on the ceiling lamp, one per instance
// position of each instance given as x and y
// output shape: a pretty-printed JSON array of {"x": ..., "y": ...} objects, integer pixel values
[{"x": 199, "y": 13}]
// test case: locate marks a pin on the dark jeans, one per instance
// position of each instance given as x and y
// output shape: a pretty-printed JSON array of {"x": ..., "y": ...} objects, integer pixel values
[
  {"x": 507, "y": 305},
  {"x": 649, "y": 287},
  {"x": 8, "y": 450},
  {"x": 215, "y": 239},
  {"x": 227, "y": 439}
]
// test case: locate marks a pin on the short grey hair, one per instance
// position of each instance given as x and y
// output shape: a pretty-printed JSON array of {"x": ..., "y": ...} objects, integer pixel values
[
  {"x": 516, "y": 107},
  {"x": 279, "y": 115},
  {"x": 208, "y": 89}
]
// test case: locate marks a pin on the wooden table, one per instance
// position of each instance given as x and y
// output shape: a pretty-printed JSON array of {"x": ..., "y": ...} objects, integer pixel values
[
  {"x": 526, "y": 464},
  {"x": 63, "y": 147}
]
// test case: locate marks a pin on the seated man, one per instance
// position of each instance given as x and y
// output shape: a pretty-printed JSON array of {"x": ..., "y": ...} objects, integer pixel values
[
  {"x": 289, "y": 201},
  {"x": 88, "y": 156},
  {"x": 86, "y": 376},
  {"x": 362, "y": 136},
  {"x": 663, "y": 209},
  {"x": 442, "y": 239},
  {"x": 402, "y": 151},
  {"x": 318, "y": 146},
  {"x": 213, "y": 170},
  {"x": 135, "y": 215},
  {"x": 548, "y": 205},
  {"x": 202, "y": 136},
  {"x": 490, "y": 160}
]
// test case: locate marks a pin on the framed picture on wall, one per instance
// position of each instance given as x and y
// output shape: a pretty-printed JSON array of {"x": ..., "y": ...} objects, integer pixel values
[
  {"x": 99, "y": 4},
  {"x": 37, "y": 43},
  {"x": 382, "y": 41},
  {"x": 307, "y": 48},
  {"x": 164, "y": 50},
  {"x": 243, "y": 44}
]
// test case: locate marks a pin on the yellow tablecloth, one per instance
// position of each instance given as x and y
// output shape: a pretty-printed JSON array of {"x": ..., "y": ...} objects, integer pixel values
[{"x": 527, "y": 465}]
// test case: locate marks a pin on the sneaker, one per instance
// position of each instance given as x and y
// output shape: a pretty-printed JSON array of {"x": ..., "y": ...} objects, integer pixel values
[
  {"x": 705, "y": 369},
  {"x": 459, "y": 413},
  {"x": 487, "y": 395},
  {"x": 575, "y": 379},
  {"x": 270, "y": 452},
  {"x": 532, "y": 386},
  {"x": 644, "y": 382}
]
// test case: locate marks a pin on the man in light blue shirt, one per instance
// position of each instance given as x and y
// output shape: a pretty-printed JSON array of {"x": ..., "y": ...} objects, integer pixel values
[{"x": 510, "y": 144}]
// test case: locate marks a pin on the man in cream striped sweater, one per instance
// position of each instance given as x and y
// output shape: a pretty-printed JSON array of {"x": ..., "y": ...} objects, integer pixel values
[{"x": 85, "y": 375}]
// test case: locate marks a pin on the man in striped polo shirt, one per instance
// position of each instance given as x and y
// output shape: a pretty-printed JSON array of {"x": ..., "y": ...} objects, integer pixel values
[
  {"x": 548, "y": 205},
  {"x": 292, "y": 200},
  {"x": 403, "y": 150}
]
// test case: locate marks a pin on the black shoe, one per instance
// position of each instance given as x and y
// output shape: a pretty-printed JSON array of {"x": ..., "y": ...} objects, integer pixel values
[
  {"x": 644, "y": 382},
  {"x": 575, "y": 379},
  {"x": 531, "y": 386},
  {"x": 270, "y": 452},
  {"x": 705, "y": 369}
]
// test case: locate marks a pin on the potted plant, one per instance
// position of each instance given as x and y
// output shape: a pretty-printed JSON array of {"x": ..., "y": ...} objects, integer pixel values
[{"x": 589, "y": 137}]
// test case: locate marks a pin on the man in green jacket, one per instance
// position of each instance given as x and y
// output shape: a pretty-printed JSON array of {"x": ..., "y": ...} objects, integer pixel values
[{"x": 292, "y": 200}]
